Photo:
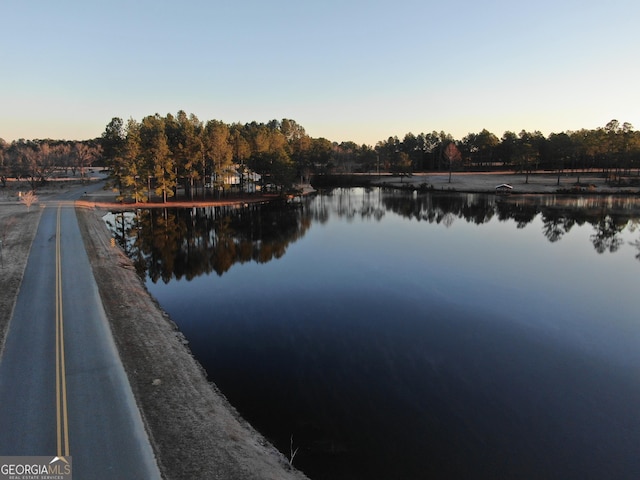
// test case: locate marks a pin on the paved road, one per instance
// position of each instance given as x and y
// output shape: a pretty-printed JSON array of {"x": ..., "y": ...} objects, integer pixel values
[{"x": 63, "y": 390}]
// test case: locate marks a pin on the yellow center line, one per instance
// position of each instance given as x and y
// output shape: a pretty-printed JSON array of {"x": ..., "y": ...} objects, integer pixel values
[{"x": 62, "y": 423}]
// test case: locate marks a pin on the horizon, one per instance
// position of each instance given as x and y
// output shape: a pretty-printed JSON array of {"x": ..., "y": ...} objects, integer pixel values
[
  {"x": 337, "y": 141},
  {"x": 345, "y": 71}
]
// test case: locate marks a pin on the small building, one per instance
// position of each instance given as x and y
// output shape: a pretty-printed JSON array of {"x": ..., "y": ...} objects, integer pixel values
[
  {"x": 247, "y": 182},
  {"x": 504, "y": 189}
]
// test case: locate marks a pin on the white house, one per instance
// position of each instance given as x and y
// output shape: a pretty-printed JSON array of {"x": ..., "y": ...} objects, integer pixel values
[{"x": 248, "y": 181}]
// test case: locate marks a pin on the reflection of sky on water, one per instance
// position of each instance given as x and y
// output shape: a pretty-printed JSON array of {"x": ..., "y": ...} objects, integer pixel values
[{"x": 468, "y": 349}]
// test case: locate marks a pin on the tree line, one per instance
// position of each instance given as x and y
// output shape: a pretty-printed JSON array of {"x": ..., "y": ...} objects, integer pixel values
[
  {"x": 38, "y": 160},
  {"x": 614, "y": 149},
  {"x": 160, "y": 154}
]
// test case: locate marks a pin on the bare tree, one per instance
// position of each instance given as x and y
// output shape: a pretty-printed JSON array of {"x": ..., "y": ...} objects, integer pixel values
[
  {"x": 83, "y": 156},
  {"x": 453, "y": 156},
  {"x": 37, "y": 162},
  {"x": 60, "y": 156},
  {"x": 29, "y": 199}
]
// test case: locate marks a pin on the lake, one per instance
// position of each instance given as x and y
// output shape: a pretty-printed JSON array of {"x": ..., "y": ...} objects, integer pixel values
[{"x": 403, "y": 335}]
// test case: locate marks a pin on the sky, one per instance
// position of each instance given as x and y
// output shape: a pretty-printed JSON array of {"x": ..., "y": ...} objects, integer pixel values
[{"x": 348, "y": 70}]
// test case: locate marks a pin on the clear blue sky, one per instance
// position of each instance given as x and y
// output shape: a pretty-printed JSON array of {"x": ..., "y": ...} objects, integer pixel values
[{"x": 345, "y": 70}]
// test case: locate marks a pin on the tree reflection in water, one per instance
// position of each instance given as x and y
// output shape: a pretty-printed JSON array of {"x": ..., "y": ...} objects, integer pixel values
[
  {"x": 180, "y": 243},
  {"x": 187, "y": 242},
  {"x": 609, "y": 215}
]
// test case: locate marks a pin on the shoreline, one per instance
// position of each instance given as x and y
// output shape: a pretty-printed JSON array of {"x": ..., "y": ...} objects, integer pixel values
[
  {"x": 195, "y": 432},
  {"x": 539, "y": 183},
  {"x": 90, "y": 201}
]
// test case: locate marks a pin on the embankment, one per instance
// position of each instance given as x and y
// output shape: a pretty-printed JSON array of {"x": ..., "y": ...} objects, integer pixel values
[{"x": 195, "y": 432}]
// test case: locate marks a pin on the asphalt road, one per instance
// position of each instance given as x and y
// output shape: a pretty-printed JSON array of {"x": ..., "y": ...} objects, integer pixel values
[{"x": 63, "y": 390}]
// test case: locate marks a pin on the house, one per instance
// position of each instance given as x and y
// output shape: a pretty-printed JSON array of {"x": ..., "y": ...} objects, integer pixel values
[{"x": 247, "y": 181}]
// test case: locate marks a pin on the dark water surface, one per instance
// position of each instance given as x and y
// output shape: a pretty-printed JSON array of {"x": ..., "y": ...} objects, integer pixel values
[{"x": 403, "y": 336}]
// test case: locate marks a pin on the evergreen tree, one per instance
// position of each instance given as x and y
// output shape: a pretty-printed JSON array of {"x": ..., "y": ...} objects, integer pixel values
[{"x": 158, "y": 158}]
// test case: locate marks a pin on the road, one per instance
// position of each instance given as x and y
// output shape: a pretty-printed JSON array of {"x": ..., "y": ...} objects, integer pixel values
[{"x": 63, "y": 390}]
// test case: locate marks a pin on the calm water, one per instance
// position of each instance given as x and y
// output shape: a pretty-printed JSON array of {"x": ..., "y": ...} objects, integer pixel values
[{"x": 400, "y": 336}]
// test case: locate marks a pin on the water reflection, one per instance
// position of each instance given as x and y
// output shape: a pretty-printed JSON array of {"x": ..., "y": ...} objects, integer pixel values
[
  {"x": 409, "y": 336},
  {"x": 609, "y": 215},
  {"x": 185, "y": 243}
]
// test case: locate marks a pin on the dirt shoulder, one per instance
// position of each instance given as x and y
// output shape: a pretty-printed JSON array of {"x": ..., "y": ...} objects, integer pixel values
[
  {"x": 17, "y": 230},
  {"x": 194, "y": 430}
]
